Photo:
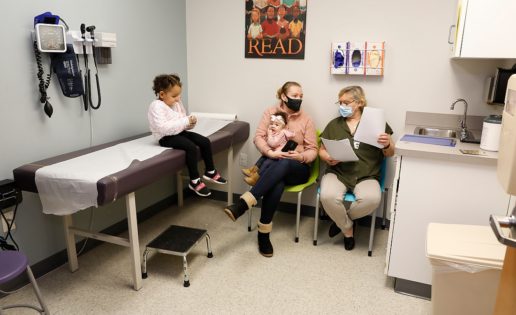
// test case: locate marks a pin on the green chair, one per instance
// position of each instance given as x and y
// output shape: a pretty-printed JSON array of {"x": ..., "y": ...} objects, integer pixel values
[{"x": 314, "y": 174}]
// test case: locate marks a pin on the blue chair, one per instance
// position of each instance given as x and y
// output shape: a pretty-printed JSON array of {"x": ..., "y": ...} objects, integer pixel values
[
  {"x": 349, "y": 196},
  {"x": 298, "y": 189},
  {"x": 13, "y": 264}
]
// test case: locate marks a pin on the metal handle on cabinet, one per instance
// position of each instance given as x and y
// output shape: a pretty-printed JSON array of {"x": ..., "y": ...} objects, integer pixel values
[
  {"x": 496, "y": 224},
  {"x": 449, "y": 34}
]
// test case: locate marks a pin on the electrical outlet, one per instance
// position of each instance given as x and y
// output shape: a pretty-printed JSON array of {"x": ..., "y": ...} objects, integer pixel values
[
  {"x": 243, "y": 159},
  {"x": 9, "y": 217}
]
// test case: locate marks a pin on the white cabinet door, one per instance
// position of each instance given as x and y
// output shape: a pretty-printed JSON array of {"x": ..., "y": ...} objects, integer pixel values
[
  {"x": 441, "y": 191},
  {"x": 485, "y": 29}
]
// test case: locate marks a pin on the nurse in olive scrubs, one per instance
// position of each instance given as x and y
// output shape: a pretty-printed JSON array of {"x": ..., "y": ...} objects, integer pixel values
[{"x": 361, "y": 177}]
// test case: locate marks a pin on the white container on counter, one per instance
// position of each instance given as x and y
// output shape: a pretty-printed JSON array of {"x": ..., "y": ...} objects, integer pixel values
[{"x": 490, "y": 140}]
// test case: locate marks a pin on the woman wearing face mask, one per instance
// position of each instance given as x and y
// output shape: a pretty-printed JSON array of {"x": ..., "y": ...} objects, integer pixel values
[
  {"x": 285, "y": 168},
  {"x": 360, "y": 177}
]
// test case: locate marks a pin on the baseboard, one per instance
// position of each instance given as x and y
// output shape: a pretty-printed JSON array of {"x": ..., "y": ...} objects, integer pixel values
[
  {"x": 60, "y": 258},
  {"x": 412, "y": 288}
]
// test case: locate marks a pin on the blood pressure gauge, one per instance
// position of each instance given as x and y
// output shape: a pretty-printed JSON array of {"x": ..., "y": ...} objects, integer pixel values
[{"x": 51, "y": 38}]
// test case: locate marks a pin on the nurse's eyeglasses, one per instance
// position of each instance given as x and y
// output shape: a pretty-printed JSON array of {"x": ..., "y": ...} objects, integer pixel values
[{"x": 345, "y": 103}]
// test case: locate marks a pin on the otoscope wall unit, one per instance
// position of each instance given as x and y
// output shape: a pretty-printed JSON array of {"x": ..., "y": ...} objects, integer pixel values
[
  {"x": 103, "y": 43},
  {"x": 358, "y": 58}
]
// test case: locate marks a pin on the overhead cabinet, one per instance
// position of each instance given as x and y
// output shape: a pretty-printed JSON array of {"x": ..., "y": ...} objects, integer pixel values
[{"x": 484, "y": 29}]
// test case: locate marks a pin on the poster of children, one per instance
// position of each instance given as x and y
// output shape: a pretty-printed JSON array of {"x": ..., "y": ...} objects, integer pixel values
[{"x": 275, "y": 29}]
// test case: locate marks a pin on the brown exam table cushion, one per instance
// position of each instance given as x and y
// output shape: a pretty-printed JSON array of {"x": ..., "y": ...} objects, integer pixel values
[{"x": 139, "y": 173}]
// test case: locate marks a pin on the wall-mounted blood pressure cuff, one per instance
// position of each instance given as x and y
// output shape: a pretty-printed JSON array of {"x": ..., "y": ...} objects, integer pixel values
[{"x": 67, "y": 70}]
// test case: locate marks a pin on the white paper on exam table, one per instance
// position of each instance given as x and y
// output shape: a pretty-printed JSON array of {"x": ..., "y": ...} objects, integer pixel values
[
  {"x": 208, "y": 123},
  {"x": 371, "y": 125},
  {"x": 340, "y": 150}
]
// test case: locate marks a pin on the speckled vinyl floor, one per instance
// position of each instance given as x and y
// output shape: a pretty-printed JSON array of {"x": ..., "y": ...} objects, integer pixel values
[{"x": 299, "y": 279}]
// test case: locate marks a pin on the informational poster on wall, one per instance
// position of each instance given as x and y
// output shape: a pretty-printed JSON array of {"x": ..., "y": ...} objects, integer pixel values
[{"x": 275, "y": 29}]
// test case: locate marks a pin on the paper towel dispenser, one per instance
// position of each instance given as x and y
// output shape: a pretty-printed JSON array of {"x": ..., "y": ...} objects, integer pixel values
[{"x": 497, "y": 85}]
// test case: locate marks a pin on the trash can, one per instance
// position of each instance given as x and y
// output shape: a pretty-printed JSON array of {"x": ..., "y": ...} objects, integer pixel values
[{"x": 466, "y": 264}]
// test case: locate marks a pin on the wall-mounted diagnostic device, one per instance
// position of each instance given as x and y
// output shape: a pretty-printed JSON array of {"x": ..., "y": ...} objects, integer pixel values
[
  {"x": 64, "y": 47},
  {"x": 51, "y": 38}
]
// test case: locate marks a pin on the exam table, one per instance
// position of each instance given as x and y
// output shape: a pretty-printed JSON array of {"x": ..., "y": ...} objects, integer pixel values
[{"x": 124, "y": 184}]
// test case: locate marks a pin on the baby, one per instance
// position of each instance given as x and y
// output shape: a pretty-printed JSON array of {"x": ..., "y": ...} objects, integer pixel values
[{"x": 277, "y": 138}]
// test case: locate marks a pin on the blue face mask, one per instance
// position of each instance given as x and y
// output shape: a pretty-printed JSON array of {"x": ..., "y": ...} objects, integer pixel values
[{"x": 345, "y": 111}]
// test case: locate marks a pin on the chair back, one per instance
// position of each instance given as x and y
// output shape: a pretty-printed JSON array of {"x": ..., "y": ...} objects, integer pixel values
[
  {"x": 314, "y": 171},
  {"x": 383, "y": 174}
]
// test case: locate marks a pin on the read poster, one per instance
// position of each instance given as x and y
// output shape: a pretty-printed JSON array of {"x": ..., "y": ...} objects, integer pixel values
[{"x": 275, "y": 29}]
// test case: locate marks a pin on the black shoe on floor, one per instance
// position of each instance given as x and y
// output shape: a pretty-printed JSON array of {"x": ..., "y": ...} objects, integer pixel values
[
  {"x": 334, "y": 230},
  {"x": 235, "y": 210},
  {"x": 349, "y": 243},
  {"x": 265, "y": 245}
]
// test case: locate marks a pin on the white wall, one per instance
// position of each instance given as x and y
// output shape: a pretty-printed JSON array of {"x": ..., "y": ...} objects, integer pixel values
[
  {"x": 151, "y": 40},
  {"x": 419, "y": 75}
]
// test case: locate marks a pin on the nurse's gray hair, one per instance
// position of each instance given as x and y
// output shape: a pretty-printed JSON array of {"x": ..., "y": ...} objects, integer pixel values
[{"x": 356, "y": 91}]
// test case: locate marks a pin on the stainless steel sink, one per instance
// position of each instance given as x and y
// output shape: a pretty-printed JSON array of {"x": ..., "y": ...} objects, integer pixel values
[{"x": 436, "y": 132}]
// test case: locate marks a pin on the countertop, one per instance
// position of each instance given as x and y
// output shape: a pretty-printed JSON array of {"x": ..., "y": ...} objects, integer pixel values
[{"x": 417, "y": 119}]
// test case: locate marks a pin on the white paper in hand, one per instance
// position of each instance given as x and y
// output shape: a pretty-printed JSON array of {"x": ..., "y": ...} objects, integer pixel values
[
  {"x": 372, "y": 124},
  {"x": 340, "y": 150}
]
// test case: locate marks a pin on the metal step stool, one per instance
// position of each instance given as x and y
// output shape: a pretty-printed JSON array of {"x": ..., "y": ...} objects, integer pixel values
[{"x": 178, "y": 241}]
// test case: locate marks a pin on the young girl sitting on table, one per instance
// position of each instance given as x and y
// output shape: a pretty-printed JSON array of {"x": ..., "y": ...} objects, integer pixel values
[{"x": 169, "y": 124}]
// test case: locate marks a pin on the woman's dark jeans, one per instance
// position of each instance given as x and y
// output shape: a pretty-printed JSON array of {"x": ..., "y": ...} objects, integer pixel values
[{"x": 272, "y": 182}]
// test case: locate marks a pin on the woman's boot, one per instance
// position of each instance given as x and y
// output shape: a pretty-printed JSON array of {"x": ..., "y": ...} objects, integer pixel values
[
  {"x": 264, "y": 243},
  {"x": 251, "y": 180},
  {"x": 249, "y": 171},
  {"x": 245, "y": 202}
]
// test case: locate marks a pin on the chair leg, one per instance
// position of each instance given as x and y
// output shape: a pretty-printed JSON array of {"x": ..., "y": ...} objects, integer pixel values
[
  {"x": 249, "y": 216},
  {"x": 298, "y": 215},
  {"x": 316, "y": 218},
  {"x": 371, "y": 233},
  {"x": 208, "y": 244},
  {"x": 385, "y": 195},
  {"x": 36, "y": 290},
  {"x": 144, "y": 263}
]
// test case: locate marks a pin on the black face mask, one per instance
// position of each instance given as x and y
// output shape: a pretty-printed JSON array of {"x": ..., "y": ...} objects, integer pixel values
[{"x": 293, "y": 103}]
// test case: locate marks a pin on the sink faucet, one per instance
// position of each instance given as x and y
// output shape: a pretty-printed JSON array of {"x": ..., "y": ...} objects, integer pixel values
[{"x": 463, "y": 127}]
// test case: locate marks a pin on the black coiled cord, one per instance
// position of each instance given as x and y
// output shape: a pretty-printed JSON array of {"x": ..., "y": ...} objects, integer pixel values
[
  {"x": 43, "y": 84},
  {"x": 96, "y": 76}
]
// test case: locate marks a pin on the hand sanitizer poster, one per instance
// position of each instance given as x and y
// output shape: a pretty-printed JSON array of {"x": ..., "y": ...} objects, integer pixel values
[{"x": 275, "y": 29}]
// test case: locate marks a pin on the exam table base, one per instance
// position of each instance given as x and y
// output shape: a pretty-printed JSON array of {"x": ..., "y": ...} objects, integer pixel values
[{"x": 132, "y": 242}]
